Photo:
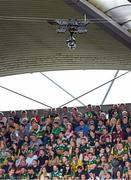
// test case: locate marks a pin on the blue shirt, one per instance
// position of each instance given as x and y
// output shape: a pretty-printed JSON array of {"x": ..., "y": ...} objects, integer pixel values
[{"x": 84, "y": 129}]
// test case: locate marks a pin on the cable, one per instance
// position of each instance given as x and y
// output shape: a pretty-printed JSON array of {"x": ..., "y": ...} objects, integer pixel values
[
  {"x": 28, "y": 19},
  {"x": 25, "y": 96},
  {"x": 44, "y": 19},
  {"x": 93, "y": 89},
  {"x": 61, "y": 88}
]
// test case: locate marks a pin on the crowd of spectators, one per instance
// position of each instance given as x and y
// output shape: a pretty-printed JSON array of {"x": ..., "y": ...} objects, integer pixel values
[{"x": 63, "y": 144}]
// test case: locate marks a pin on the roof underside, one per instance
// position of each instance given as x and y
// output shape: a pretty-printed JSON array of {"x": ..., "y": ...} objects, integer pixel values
[{"x": 29, "y": 46}]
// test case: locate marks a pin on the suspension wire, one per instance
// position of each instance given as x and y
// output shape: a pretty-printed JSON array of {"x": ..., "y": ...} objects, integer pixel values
[
  {"x": 110, "y": 86},
  {"x": 31, "y": 19},
  {"x": 93, "y": 89},
  {"x": 61, "y": 88},
  {"x": 24, "y": 96},
  {"x": 45, "y": 19}
]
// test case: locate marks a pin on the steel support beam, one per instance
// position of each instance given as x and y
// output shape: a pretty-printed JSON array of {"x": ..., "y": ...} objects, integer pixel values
[
  {"x": 26, "y": 97},
  {"x": 111, "y": 84},
  {"x": 94, "y": 89},
  {"x": 62, "y": 88},
  {"x": 102, "y": 20}
]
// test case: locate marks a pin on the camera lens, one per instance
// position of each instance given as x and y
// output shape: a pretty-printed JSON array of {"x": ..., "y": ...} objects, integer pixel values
[{"x": 71, "y": 42}]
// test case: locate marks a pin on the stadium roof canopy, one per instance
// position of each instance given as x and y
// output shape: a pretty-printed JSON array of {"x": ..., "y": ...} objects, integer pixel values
[{"x": 29, "y": 44}]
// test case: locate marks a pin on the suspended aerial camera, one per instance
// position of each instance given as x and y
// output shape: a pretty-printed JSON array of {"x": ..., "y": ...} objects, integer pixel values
[
  {"x": 73, "y": 26},
  {"x": 71, "y": 42}
]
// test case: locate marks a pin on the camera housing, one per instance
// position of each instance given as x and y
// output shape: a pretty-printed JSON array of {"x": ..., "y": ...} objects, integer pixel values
[{"x": 71, "y": 42}]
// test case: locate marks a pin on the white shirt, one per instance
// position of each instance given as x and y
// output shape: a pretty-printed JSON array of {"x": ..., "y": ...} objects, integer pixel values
[{"x": 30, "y": 160}]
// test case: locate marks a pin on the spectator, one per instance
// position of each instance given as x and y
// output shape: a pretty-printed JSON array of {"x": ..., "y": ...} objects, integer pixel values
[
  {"x": 35, "y": 115},
  {"x": 108, "y": 176},
  {"x": 56, "y": 172},
  {"x": 105, "y": 137},
  {"x": 43, "y": 174},
  {"x": 66, "y": 113},
  {"x": 76, "y": 116},
  {"x": 23, "y": 116},
  {"x": 13, "y": 134},
  {"x": 3, "y": 118},
  {"x": 23, "y": 131},
  {"x": 42, "y": 157},
  {"x": 118, "y": 133},
  {"x": 93, "y": 176},
  {"x": 30, "y": 157},
  {"x": 94, "y": 147},
  {"x": 106, "y": 169},
  {"x": 31, "y": 173},
  {"x": 67, "y": 171},
  {"x": 82, "y": 127},
  {"x": 15, "y": 116},
  {"x": 57, "y": 128},
  {"x": 69, "y": 131}
]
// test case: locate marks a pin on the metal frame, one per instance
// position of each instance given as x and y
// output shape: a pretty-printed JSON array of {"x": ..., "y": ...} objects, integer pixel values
[{"x": 109, "y": 25}]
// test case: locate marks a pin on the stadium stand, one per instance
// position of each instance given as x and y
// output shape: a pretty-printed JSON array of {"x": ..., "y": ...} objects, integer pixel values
[{"x": 91, "y": 143}]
